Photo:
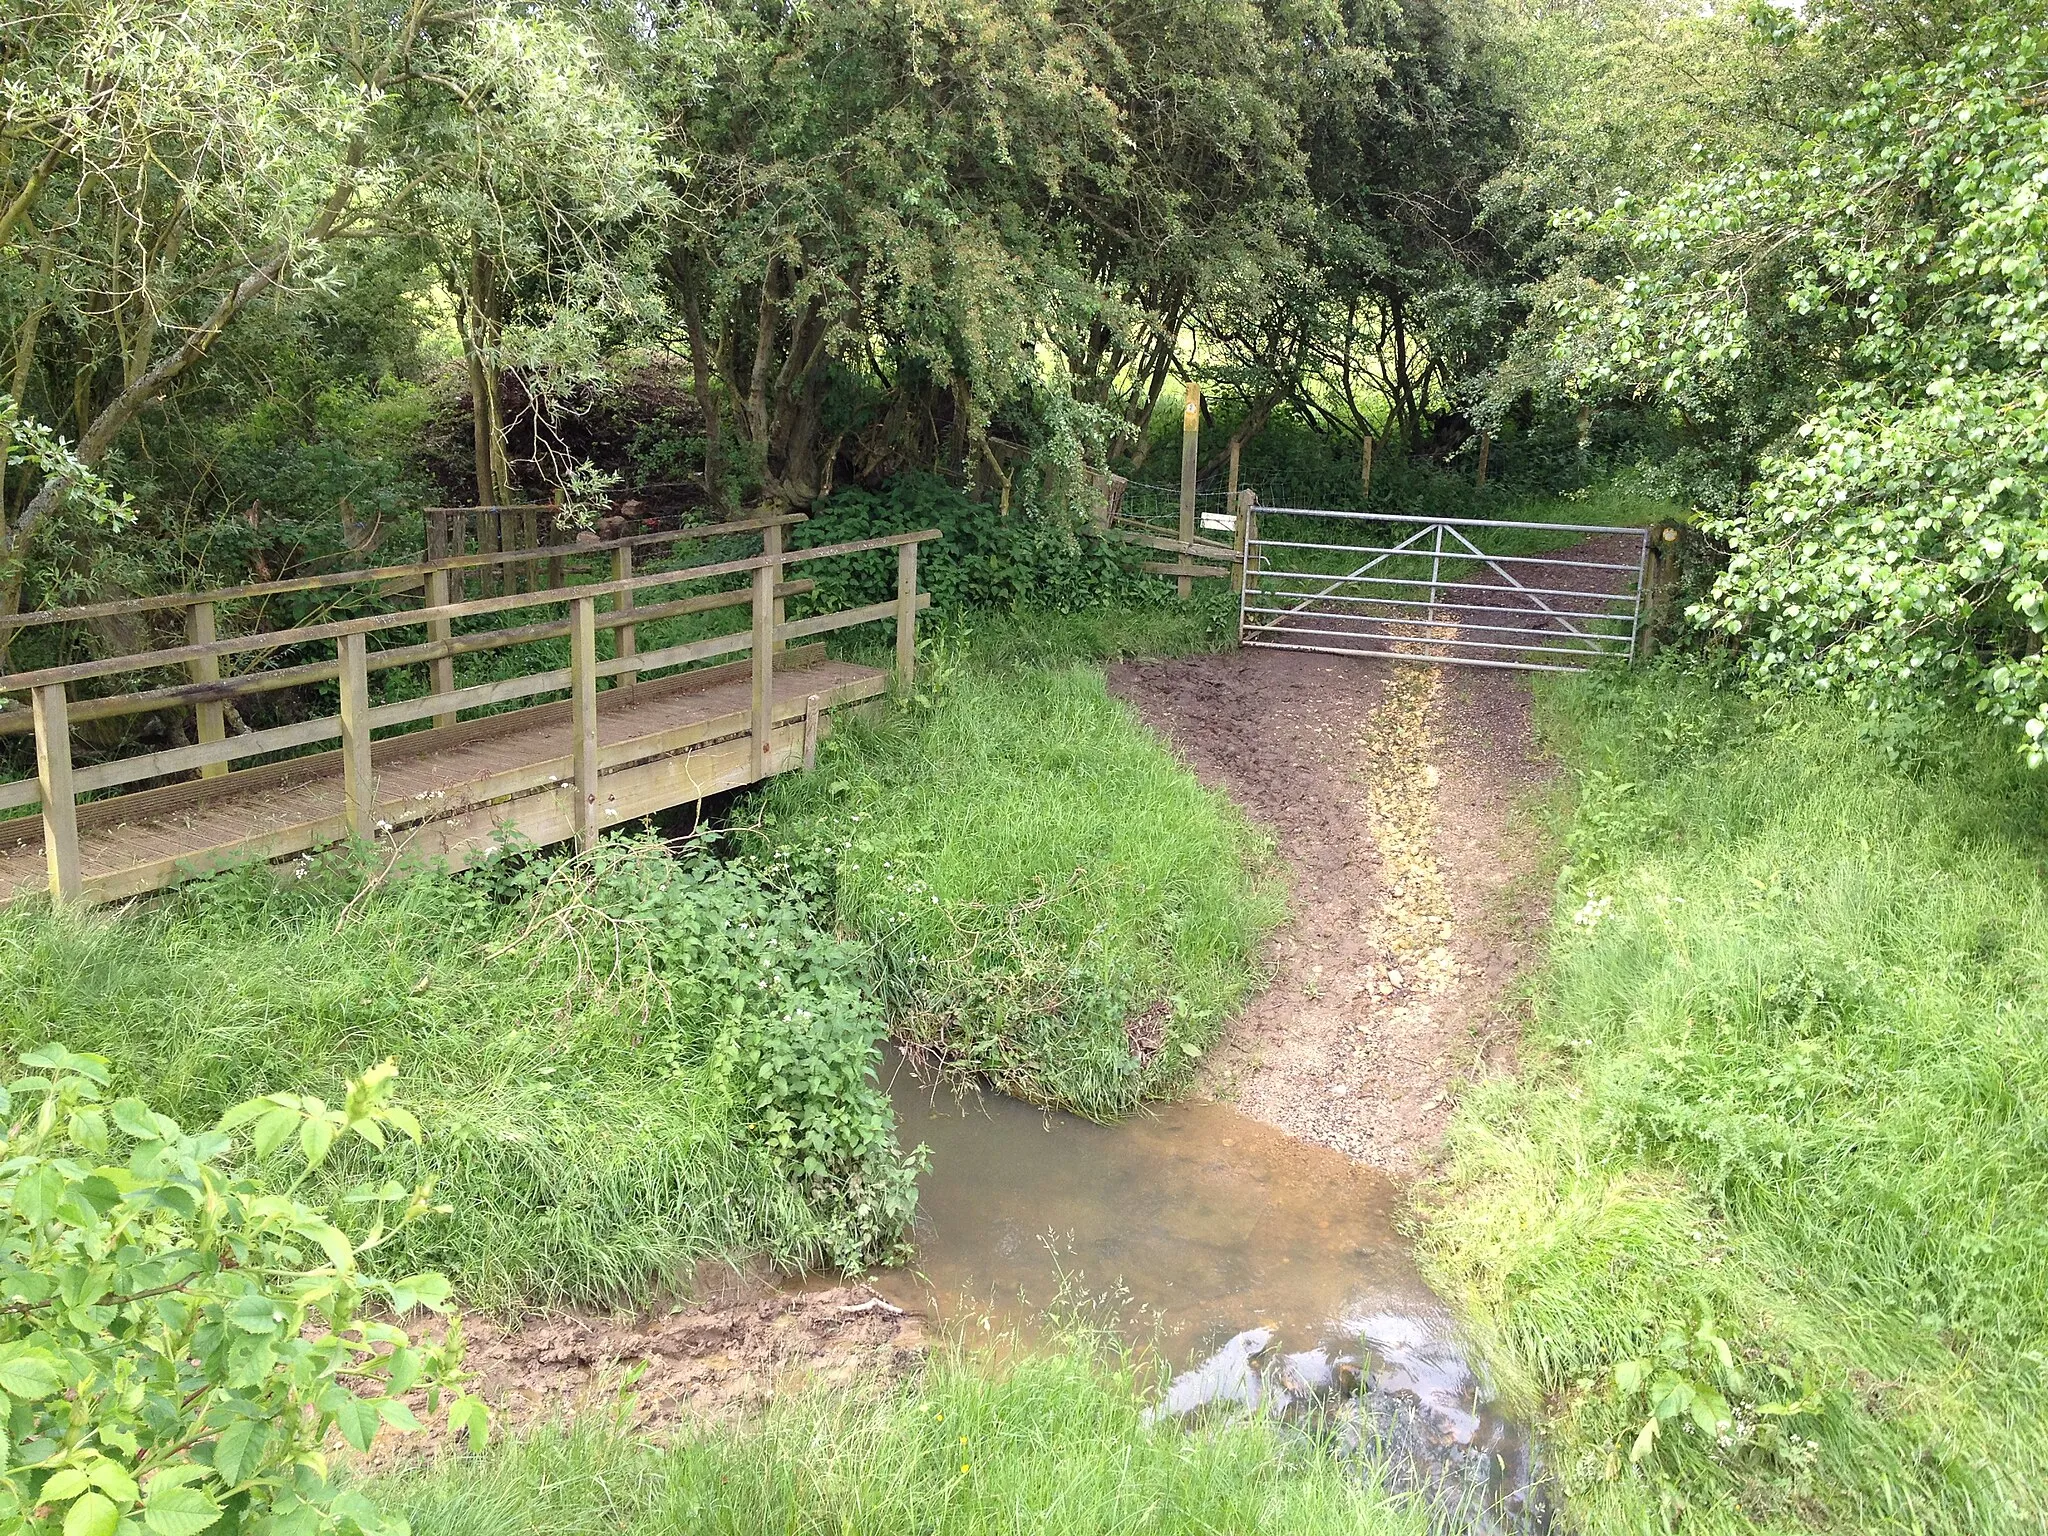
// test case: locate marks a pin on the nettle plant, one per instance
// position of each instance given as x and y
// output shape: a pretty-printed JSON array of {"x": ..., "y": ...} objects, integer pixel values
[{"x": 179, "y": 1343}]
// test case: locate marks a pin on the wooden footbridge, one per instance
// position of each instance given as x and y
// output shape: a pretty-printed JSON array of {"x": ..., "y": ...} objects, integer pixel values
[{"x": 421, "y": 765}]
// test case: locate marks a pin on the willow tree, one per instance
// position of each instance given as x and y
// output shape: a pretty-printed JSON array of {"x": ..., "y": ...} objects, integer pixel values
[{"x": 166, "y": 166}]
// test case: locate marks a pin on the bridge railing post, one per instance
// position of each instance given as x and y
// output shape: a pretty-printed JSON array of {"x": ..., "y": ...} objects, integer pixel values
[
  {"x": 763, "y": 668},
  {"x": 441, "y": 632},
  {"x": 906, "y": 617},
  {"x": 628, "y": 641},
  {"x": 583, "y": 716},
  {"x": 771, "y": 546},
  {"x": 52, "y": 712},
  {"x": 200, "y": 629},
  {"x": 358, "y": 779}
]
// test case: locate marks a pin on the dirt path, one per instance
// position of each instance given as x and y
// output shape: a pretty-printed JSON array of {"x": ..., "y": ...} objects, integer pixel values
[{"x": 1394, "y": 793}]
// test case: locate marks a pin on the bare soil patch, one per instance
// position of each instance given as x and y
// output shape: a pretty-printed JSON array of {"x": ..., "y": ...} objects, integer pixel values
[
  {"x": 664, "y": 1370},
  {"x": 1395, "y": 796}
]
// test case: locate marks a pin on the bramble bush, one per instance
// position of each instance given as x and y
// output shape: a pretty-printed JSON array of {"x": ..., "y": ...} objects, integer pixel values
[
  {"x": 987, "y": 559},
  {"x": 178, "y": 1342}
]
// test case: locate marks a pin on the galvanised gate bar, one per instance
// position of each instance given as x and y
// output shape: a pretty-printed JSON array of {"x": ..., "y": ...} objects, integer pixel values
[{"x": 1431, "y": 589}]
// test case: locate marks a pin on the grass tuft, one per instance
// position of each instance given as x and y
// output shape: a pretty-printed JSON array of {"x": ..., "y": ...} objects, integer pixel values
[
  {"x": 1788, "y": 1092},
  {"x": 1048, "y": 1444},
  {"x": 585, "y": 1041},
  {"x": 1033, "y": 874}
]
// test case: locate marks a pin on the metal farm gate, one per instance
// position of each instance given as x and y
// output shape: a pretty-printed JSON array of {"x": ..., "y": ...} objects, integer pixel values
[{"x": 1426, "y": 591}]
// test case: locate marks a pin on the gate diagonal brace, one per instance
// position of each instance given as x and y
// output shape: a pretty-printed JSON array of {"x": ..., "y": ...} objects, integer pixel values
[{"x": 1592, "y": 643}]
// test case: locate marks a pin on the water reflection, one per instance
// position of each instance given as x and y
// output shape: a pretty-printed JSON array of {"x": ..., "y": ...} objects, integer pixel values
[{"x": 1271, "y": 1270}]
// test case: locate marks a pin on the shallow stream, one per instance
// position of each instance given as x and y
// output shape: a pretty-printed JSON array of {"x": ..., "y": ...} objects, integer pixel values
[{"x": 1267, "y": 1270}]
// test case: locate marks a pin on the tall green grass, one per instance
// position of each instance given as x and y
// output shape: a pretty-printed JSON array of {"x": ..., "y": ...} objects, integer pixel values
[
  {"x": 1048, "y": 1444},
  {"x": 586, "y": 1044},
  {"x": 1032, "y": 873},
  {"x": 1788, "y": 1090}
]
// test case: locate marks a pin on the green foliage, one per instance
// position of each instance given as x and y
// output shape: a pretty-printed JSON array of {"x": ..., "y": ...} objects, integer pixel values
[
  {"x": 987, "y": 559},
  {"x": 1784, "y": 1092},
  {"x": 1052, "y": 1442},
  {"x": 1031, "y": 871},
  {"x": 1892, "y": 545},
  {"x": 177, "y": 1343},
  {"x": 630, "y": 1062}
]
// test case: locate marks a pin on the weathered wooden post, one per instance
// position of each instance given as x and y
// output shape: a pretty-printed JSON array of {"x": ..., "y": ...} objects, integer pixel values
[
  {"x": 1365, "y": 465},
  {"x": 627, "y": 636},
  {"x": 771, "y": 546},
  {"x": 1190, "y": 447},
  {"x": 358, "y": 780},
  {"x": 558, "y": 565},
  {"x": 212, "y": 718},
  {"x": 1242, "y": 502},
  {"x": 764, "y": 668},
  {"x": 1485, "y": 449},
  {"x": 441, "y": 632},
  {"x": 52, "y": 716},
  {"x": 906, "y": 617},
  {"x": 810, "y": 732},
  {"x": 583, "y": 716}
]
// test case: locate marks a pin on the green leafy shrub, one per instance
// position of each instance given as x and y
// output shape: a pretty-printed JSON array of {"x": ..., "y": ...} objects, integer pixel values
[
  {"x": 987, "y": 559},
  {"x": 177, "y": 1342},
  {"x": 1046, "y": 895},
  {"x": 630, "y": 1062}
]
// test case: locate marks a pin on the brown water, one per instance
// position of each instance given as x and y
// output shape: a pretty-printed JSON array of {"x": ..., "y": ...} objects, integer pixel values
[
  {"x": 1270, "y": 1272},
  {"x": 1194, "y": 1222}
]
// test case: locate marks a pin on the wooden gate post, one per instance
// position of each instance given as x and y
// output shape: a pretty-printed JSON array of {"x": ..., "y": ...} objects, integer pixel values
[
  {"x": 762, "y": 730},
  {"x": 1190, "y": 446},
  {"x": 212, "y": 718},
  {"x": 52, "y": 711},
  {"x": 583, "y": 714},
  {"x": 1242, "y": 502},
  {"x": 358, "y": 780},
  {"x": 906, "y": 617},
  {"x": 626, "y": 638},
  {"x": 442, "y": 668}
]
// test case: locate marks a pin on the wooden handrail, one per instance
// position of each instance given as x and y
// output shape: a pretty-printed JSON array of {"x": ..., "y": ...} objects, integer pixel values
[
  {"x": 15, "y": 722},
  {"x": 57, "y": 785},
  {"x": 143, "y": 661},
  {"x": 384, "y": 573}
]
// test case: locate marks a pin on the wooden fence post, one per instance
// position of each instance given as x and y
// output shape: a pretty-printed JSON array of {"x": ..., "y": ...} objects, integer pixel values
[
  {"x": 764, "y": 667},
  {"x": 558, "y": 565},
  {"x": 626, "y": 638},
  {"x": 358, "y": 780},
  {"x": 810, "y": 732},
  {"x": 1485, "y": 449},
  {"x": 583, "y": 714},
  {"x": 906, "y": 617},
  {"x": 53, "y": 783},
  {"x": 213, "y": 718},
  {"x": 442, "y": 668},
  {"x": 1190, "y": 453},
  {"x": 1365, "y": 466}
]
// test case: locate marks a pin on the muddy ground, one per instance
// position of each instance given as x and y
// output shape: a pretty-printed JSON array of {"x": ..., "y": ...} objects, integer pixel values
[
  {"x": 1396, "y": 795},
  {"x": 718, "y": 1359}
]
